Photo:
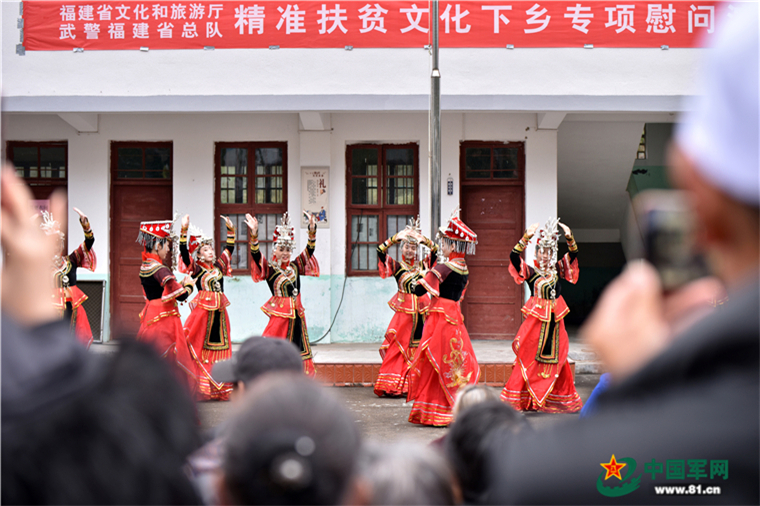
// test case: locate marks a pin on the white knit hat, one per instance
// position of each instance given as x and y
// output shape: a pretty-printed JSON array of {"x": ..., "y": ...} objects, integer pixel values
[{"x": 721, "y": 131}]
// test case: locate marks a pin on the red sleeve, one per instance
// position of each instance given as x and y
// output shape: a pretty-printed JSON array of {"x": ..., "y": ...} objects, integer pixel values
[
  {"x": 387, "y": 268},
  {"x": 83, "y": 257},
  {"x": 224, "y": 262},
  {"x": 433, "y": 279},
  {"x": 568, "y": 269},
  {"x": 172, "y": 289},
  {"x": 307, "y": 263},
  {"x": 525, "y": 271}
]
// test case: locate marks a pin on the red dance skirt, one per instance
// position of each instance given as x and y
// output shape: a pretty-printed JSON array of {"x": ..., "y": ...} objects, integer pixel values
[
  {"x": 161, "y": 327},
  {"x": 285, "y": 328},
  {"x": 205, "y": 353},
  {"x": 538, "y": 386},
  {"x": 444, "y": 362},
  {"x": 81, "y": 326},
  {"x": 393, "y": 378}
]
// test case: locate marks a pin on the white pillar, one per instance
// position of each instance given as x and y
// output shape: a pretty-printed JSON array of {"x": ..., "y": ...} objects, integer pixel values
[{"x": 540, "y": 180}]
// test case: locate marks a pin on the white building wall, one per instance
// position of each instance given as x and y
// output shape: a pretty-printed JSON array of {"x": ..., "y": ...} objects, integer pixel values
[{"x": 364, "y": 314}]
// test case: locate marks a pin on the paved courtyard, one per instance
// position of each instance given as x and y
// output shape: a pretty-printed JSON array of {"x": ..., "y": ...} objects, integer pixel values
[{"x": 384, "y": 419}]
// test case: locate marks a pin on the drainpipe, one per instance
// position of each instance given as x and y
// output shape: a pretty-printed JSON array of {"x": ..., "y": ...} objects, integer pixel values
[{"x": 435, "y": 130}]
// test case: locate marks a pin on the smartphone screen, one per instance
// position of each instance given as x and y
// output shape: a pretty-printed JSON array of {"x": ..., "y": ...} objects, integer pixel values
[{"x": 668, "y": 234}]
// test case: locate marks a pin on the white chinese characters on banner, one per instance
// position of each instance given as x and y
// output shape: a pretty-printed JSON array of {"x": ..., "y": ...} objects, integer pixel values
[
  {"x": 535, "y": 19},
  {"x": 251, "y": 17},
  {"x": 702, "y": 17},
  {"x": 414, "y": 24},
  {"x": 315, "y": 197},
  {"x": 336, "y": 15},
  {"x": 660, "y": 20},
  {"x": 497, "y": 15},
  {"x": 372, "y": 18},
  {"x": 292, "y": 18},
  {"x": 184, "y": 24},
  {"x": 457, "y": 18},
  {"x": 580, "y": 17},
  {"x": 624, "y": 19}
]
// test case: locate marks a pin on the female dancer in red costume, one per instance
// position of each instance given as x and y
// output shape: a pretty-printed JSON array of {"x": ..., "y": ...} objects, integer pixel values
[
  {"x": 541, "y": 378},
  {"x": 208, "y": 327},
  {"x": 160, "y": 324},
  {"x": 69, "y": 297},
  {"x": 287, "y": 319},
  {"x": 445, "y": 360},
  {"x": 405, "y": 330}
]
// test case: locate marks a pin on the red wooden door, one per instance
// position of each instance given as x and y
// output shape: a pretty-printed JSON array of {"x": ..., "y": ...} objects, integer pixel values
[
  {"x": 492, "y": 201},
  {"x": 139, "y": 192},
  {"x": 493, "y": 300}
]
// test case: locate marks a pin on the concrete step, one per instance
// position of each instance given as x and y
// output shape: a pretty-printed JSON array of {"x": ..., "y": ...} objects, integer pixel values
[{"x": 358, "y": 364}]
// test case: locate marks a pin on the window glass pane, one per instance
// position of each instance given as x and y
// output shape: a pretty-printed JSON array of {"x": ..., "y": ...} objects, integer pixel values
[
  {"x": 505, "y": 163},
  {"x": 400, "y": 191},
  {"x": 129, "y": 162},
  {"x": 364, "y": 256},
  {"x": 234, "y": 161},
  {"x": 400, "y": 162},
  {"x": 364, "y": 162},
  {"x": 269, "y": 190},
  {"x": 239, "y": 257},
  {"x": 477, "y": 163},
  {"x": 270, "y": 159},
  {"x": 395, "y": 224},
  {"x": 364, "y": 190},
  {"x": 158, "y": 163},
  {"x": 25, "y": 160},
  {"x": 53, "y": 162}
]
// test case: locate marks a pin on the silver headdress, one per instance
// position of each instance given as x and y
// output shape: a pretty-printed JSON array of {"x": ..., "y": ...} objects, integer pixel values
[
  {"x": 196, "y": 239},
  {"x": 413, "y": 226},
  {"x": 284, "y": 234},
  {"x": 547, "y": 240},
  {"x": 50, "y": 226}
]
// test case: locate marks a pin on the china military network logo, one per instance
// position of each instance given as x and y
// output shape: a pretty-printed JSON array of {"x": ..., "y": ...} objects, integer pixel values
[{"x": 612, "y": 469}]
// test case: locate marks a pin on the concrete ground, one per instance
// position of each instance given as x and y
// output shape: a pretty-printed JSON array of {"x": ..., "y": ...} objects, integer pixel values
[{"x": 384, "y": 419}]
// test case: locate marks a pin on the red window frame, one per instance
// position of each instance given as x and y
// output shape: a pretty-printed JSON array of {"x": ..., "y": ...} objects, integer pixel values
[
  {"x": 382, "y": 209},
  {"x": 491, "y": 180},
  {"x": 250, "y": 206},
  {"x": 41, "y": 187}
]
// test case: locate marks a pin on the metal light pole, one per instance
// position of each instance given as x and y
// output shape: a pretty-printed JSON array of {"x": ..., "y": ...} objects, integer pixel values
[{"x": 435, "y": 130}]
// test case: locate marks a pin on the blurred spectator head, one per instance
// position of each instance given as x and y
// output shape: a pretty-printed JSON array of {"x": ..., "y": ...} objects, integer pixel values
[
  {"x": 291, "y": 442},
  {"x": 715, "y": 156},
  {"x": 256, "y": 356},
  {"x": 469, "y": 440},
  {"x": 403, "y": 473},
  {"x": 470, "y": 395},
  {"x": 86, "y": 429}
]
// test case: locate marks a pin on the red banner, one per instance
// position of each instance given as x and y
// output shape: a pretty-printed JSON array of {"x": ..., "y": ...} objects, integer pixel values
[{"x": 93, "y": 25}]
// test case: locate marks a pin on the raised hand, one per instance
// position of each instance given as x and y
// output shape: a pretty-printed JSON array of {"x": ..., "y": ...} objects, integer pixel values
[
  {"x": 229, "y": 223},
  {"x": 312, "y": 221},
  {"x": 26, "y": 283},
  {"x": 83, "y": 219},
  {"x": 252, "y": 223},
  {"x": 532, "y": 230},
  {"x": 566, "y": 229},
  {"x": 185, "y": 221}
]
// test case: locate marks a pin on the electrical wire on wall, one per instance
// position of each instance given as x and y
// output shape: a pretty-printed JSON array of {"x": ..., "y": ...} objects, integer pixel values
[{"x": 345, "y": 280}]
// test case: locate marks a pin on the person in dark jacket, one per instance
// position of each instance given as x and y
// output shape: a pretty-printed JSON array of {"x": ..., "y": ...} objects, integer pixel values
[{"x": 680, "y": 422}]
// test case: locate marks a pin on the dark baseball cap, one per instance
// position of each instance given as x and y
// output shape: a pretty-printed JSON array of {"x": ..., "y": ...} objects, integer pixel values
[{"x": 256, "y": 356}]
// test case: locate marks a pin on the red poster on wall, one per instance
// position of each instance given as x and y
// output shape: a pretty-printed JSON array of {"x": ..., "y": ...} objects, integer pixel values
[{"x": 179, "y": 24}]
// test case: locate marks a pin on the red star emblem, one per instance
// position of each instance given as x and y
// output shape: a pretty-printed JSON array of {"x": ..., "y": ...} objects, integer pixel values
[{"x": 613, "y": 468}]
